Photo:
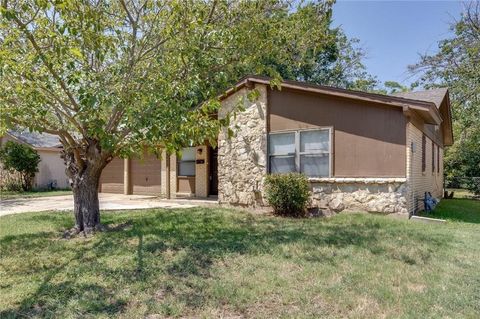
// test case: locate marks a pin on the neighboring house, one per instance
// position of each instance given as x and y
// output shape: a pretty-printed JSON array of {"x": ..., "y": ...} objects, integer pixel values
[
  {"x": 51, "y": 169},
  {"x": 361, "y": 151}
]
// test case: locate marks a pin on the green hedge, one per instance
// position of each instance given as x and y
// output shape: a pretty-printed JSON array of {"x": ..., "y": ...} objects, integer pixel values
[{"x": 288, "y": 194}]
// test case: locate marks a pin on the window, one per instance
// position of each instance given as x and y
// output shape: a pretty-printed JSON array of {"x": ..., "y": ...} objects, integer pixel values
[
  {"x": 433, "y": 157},
  {"x": 305, "y": 151},
  {"x": 438, "y": 159},
  {"x": 186, "y": 164},
  {"x": 424, "y": 155}
]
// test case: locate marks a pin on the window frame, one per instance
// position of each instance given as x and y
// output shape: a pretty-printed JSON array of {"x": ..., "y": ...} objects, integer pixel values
[
  {"x": 297, "y": 154},
  {"x": 194, "y": 161}
]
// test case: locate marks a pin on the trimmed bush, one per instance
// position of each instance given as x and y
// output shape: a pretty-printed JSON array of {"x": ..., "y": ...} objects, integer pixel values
[
  {"x": 21, "y": 159},
  {"x": 288, "y": 194}
]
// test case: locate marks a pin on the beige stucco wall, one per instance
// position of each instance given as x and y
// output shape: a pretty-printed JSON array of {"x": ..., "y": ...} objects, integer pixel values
[
  {"x": 242, "y": 158},
  {"x": 51, "y": 168},
  {"x": 201, "y": 171},
  {"x": 420, "y": 182}
]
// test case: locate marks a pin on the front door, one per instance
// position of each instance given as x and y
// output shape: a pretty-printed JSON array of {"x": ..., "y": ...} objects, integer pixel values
[{"x": 213, "y": 174}]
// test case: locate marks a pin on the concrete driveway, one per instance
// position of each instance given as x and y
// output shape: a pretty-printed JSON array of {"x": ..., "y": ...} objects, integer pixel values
[{"x": 107, "y": 202}]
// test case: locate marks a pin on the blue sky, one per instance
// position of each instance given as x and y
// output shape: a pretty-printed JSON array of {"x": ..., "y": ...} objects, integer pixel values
[{"x": 394, "y": 33}]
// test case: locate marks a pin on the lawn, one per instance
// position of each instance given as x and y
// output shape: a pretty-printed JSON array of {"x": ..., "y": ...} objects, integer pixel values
[
  {"x": 215, "y": 262},
  {"x": 457, "y": 210},
  {"x": 32, "y": 194}
]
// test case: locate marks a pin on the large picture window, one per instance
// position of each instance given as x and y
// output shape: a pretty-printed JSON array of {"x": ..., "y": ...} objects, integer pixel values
[
  {"x": 186, "y": 164},
  {"x": 307, "y": 151}
]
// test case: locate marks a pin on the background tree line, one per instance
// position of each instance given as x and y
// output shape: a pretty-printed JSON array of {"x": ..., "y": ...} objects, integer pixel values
[{"x": 457, "y": 66}]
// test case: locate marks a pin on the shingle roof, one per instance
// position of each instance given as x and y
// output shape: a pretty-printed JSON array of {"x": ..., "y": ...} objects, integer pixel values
[
  {"x": 434, "y": 95},
  {"x": 36, "y": 139}
]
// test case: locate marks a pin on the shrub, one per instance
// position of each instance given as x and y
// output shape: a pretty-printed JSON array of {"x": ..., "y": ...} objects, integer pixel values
[
  {"x": 20, "y": 158},
  {"x": 473, "y": 185},
  {"x": 288, "y": 194}
]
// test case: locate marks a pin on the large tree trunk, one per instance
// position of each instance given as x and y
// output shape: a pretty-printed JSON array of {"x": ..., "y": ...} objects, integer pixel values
[
  {"x": 84, "y": 169},
  {"x": 86, "y": 204}
]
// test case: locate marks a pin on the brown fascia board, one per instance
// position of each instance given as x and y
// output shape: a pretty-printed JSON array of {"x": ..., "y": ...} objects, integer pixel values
[
  {"x": 428, "y": 111},
  {"x": 448, "y": 123}
]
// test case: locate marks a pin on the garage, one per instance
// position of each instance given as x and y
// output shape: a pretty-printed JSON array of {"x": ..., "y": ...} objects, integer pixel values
[
  {"x": 111, "y": 180},
  {"x": 145, "y": 175}
]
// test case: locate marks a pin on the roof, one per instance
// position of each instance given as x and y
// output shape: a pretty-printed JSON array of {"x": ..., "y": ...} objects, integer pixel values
[
  {"x": 36, "y": 140},
  {"x": 433, "y": 95},
  {"x": 428, "y": 110}
]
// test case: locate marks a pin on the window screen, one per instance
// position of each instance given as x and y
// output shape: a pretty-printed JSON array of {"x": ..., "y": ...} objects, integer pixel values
[
  {"x": 305, "y": 151},
  {"x": 186, "y": 163}
]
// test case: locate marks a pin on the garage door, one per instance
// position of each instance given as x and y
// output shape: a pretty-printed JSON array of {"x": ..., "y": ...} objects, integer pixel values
[
  {"x": 111, "y": 180},
  {"x": 146, "y": 175}
]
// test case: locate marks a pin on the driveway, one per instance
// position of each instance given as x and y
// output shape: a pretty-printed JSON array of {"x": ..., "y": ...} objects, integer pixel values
[{"x": 107, "y": 202}]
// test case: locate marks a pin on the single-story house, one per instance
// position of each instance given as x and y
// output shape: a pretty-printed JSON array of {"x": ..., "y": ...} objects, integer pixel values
[
  {"x": 360, "y": 151},
  {"x": 51, "y": 169}
]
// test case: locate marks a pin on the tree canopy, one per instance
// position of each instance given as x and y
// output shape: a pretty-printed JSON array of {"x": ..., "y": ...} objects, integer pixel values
[
  {"x": 457, "y": 66},
  {"x": 111, "y": 77}
]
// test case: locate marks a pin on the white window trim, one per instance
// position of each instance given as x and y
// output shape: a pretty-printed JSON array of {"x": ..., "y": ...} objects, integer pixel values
[
  {"x": 297, "y": 152},
  {"x": 179, "y": 160}
]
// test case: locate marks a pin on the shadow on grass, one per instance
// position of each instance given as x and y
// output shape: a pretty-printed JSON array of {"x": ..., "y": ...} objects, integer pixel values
[
  {"x": 457, "y": 209},
  {"x": 182, "y": 246}
]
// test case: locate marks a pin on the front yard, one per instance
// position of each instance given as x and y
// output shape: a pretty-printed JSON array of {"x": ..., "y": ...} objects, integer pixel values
[
  {"x": 33, "y": 194},
  {"x": 214, "y": 262}
]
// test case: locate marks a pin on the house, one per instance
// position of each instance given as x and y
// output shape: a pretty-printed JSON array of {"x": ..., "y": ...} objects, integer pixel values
[
  {"x": 360, "y": 151},
  {"x": 51, "y": 169}
]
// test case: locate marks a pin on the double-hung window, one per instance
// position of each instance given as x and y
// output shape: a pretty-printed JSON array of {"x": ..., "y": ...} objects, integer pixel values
[
  {"x": 306, "y": 151},
  {"x": 186, "y": 163}
]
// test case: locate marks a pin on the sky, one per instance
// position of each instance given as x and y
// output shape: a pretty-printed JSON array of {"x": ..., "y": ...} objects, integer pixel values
[{"x": 395, "y": 33}]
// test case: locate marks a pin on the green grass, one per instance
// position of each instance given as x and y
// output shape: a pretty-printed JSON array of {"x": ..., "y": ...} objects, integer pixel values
[
  {"x": 457, "y": 210},
  {"x": 214, "y": 262},
  {"x": 32, "y": 194}
]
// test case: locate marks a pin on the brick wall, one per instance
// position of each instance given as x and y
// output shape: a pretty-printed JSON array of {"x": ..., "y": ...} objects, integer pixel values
[{"x": 420, "y": 181}]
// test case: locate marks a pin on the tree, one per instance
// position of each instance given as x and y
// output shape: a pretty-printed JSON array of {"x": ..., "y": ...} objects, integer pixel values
[
  {"x": 394, "y": 87},
  {"x": 111, "y": 77},
  {"x": 457, "y": 65},
  {"x": 22, "y": 159}
]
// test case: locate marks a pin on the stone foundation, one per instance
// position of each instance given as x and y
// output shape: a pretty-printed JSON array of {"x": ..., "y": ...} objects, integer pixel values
[{"x": 375, "y": 195}]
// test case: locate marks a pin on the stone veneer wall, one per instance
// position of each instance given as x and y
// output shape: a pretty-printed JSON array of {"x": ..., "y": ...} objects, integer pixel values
[
  {"x": 242, "y": 158},
  {"x": 242, "y": 167},
  {"x": 376, "y": 195}
]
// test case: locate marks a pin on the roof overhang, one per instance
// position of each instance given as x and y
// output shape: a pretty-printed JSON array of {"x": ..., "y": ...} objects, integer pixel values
[
  {"x": 426, "y": 110},
  {"x": 38, "y": 148},
  {"x": 447, "y": 127}
]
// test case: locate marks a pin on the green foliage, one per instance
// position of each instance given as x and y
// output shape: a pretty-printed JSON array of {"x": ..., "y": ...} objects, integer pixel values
[
  {"x": 456, "y": 66},
  {"x": 394, "y": 87},
  {"x": 20, "y": 158},
  {"x": 288, "y": 194},
  {"x": 123, "y": 72}
]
